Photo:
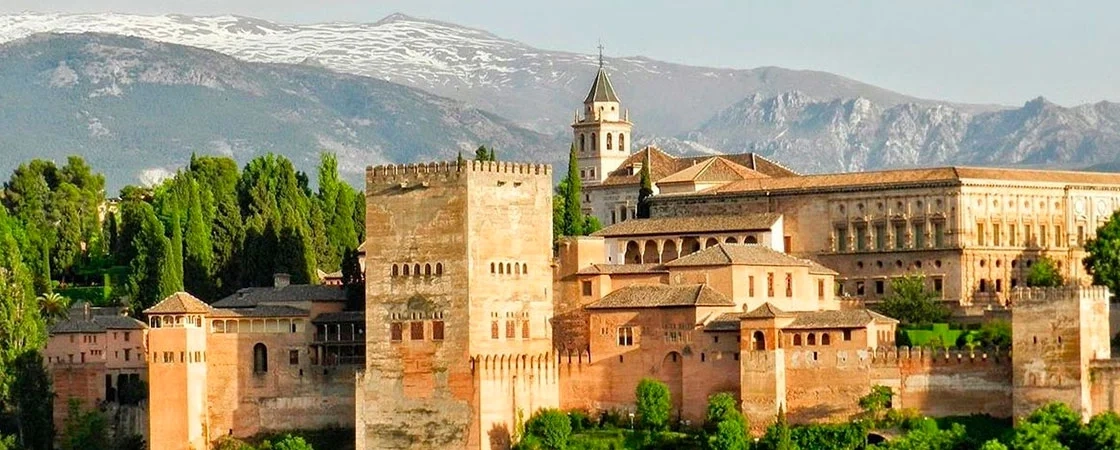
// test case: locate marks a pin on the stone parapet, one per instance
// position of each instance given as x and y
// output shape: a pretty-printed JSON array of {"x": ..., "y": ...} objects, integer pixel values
[
  {"x": 392, "y": 171},
  {"x": 893, "y": 356}
]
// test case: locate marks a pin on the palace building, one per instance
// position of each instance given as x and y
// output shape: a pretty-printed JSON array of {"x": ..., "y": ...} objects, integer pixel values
[{"x": 747, "y": 278}]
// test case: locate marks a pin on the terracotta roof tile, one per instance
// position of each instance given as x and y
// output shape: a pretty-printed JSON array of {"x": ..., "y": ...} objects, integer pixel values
[
  {"x": 344, "y": 316},
  {"x": 247, "y": 297},
  {"x": 260, "y": 311},
  {"x": 725, "y": 322},
  {"x": 853, "y": 318},
  {"x": 745, "y": 254},
  {"x": 610, "y": 269},
  {"x": 765, "y": 311},
  {"x": 180, "y": 303},
  {"x": 661, "y": 295},
  {"x": 690, "y": 225},
  {"x": 663, "y": 165},
  {"x": 714, "y": 169}
]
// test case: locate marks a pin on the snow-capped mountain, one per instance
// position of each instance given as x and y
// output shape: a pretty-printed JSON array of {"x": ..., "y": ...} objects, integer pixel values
[
  {"x": 136, "y": 108},
  {"x": 537, "y": 88}
]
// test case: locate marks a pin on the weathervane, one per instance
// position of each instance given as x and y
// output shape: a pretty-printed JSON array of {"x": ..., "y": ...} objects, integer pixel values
[{"x": 600, "y": 53}]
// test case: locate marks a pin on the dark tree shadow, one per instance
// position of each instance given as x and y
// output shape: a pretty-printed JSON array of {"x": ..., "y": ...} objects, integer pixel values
[{"x": 500, "y": 438}]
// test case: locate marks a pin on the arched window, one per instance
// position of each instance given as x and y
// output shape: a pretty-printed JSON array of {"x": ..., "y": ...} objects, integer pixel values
[
  {"x": 509, "y": 268},
  {"x": 812, "y": 339},
  {"x": 750, "y": 240},
  {"x": 439, "y": 269},
  {"x": 609, "y": 146},
  {"x": 416, "y": 270},
  {"x": 594, "y": 142},
  {"x": 797, "y": 340},
  {"x": 582, "y": 138},
  {"x": 396, "y": 270},
  {"x": 427, "y": 270},
  {"x": 492, "y": 268},
  {"x": 501, "y": 269},
  {"x": 260, "y": 358},
  {"x": 759, "y": 340},
  {"x": 621, "y": 142},
  {"x": 524, "y": 268},
  {"x": 825, "y": 340},
  {"x": 405, "y": 273}
]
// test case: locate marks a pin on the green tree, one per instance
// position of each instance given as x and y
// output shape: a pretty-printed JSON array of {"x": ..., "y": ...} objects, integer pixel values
[
  {"x": 996, "y": 333},
  {"x": 645, "y": 191},
  {"x": 484, "y": 154},
  {"x": 22, "y": 328},
  {"x": 84, "y": 430},
  {"x": 198, "y": 249},
  {"x": 1103, "y": 261},
  {"x": 53, "y": 306},
  {"x": 571, "y": 192},
  {"x": 721, "y": 406},
  {"x": 930, "y": 438},
  {"x": 31, "y": 394},
  {"x": 278, "y": 214},
  {"x": 729, "y": 435},
  {"x": 551, "y": 427},
  {"x": 223, "y": 213},
  {"x": 993, "y": 445},
  {"x": 911, "y": 302},
  {"x": 173, "y": 278},
  {"x": 149, "y": 278},
  {"x": 1044, "y": 273},
  {"x": 353, "y": 280},
  {"x": 289, "y": 442},
  {"x": 337, "y": 203},
  {"x": 1103, "y": 432},
  {"x": 8, "y": 443},
  {"x": 875, "y": 402},
  {"x": 653, "y": 404}
]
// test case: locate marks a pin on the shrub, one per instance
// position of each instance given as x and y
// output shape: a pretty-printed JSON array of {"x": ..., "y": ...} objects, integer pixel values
[
  {"x": 580, "y": 421},
  {"x": 551, "y": 426},
  {"x": 730, "y": 435},
  {"x": 654, "y": 404}
]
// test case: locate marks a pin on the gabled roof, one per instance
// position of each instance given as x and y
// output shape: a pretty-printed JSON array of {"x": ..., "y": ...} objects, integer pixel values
[
  {"x": 96, "y": 322},
  {"x": 690, "y": 225},
  {"x": 661, "y": 295},
  {"x": 663, "y": 164},
  {"x": 293, "y": 293},
  {"x": 601, "y": 89},
  {"x": 745, "y": 254},
  {"x": 622, "y": 269},
  {"x": 180, "y": 303},
  {"x": 725, "y": 322},
  {"x": 851, "y": 318},
  {"x": 714, "y": 169},
  {"x": 261, "y": 311},
  {"x": 765, "y": 311}
]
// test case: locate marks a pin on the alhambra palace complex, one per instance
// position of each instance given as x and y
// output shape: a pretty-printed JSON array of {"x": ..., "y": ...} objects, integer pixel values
[{"x": 748, "y": 278}]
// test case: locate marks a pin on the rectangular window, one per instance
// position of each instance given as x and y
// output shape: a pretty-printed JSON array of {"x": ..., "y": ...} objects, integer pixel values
[
  {"x": 787, "y": 243},
  {"x": 938, "y": 284},
  {"x": 1080, "y": 235},
  {"x": 494, "y": 330},
  {"x": 820, "y": 289},
  {"x": 770, "y": 284},
  {"x": 127, "y": 354},
  {"x": 859, "y": 288},
  {"x": 880, "y": 236},
  {"x": 127, "y": 335},
  {"x": 919, "y": 235},
  {"x": 996, "y": 241},
  {"x": 900, "y": 235},
  {"x": 789, "y": 284},
  {"x": 847, "y": 335},
  {"x": 939, "y": 234},
  {"x": 293, "y": 357},
  {"x": 416, "y": 331},
  {"x": 861, "y": 238},
  {"x": 1043, "y": 238},
  {"x": 999, "y": 285},
  {"x": 525, "y": 329},
  {"x": 879, "y": 287},
  {"x": 614, "y": 217},
  {"x": 841, "y": 239},
  {"x": 980, "y": 240},
  {"x": 625, "y": 336},
  {"x": 437, "y": 330},
  {"x": 511, "y": 329},
  {"x": 396, "y": 331},
  {"x": 586, "y": 286},
  {"x": 1013, "y": 235},
  {"x": 750, "y": 286},
  {"x": 1059, "y": 240}
]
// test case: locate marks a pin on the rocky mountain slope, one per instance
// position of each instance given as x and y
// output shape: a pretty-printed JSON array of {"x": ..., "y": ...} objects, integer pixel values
[
  {"x": 537, "y": 88},
  {"x": 815, "y": 135},
  {"x": 136, "y": 107}
]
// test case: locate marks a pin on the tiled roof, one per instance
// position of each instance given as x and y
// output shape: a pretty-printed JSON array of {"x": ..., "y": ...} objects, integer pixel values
[
  {"x": 660, "y": 295},
  {"x": 713, "y": 169},
  {"x": 608, "y": 269},
  {"x": 662, "y": 165},
  {"x": 344, "y": 316},
  {"x": 745, "y": 254},
  {"x": 765, "y": 311},
  {"x": 180, "y": 303},
  {"x": 99, "y": 320},
  {"x": 601, "y": 89},
  {"x": 260, "y": 311},
  {"x": 690, "y": 225},
  {"x": 852, "y": 318},
  {"x": 903, "y": 177},
  {"x": 248, "y": 297},
  {"x": 725, "y": 322}
]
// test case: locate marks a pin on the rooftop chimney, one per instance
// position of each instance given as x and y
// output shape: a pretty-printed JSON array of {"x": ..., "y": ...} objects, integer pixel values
[
  {"x": 85, "y": 310},
  {"x": 281, "y": 280}
]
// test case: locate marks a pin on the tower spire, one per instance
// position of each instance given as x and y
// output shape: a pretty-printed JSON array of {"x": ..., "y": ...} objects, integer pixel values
[{"x": 600, "y": 53}]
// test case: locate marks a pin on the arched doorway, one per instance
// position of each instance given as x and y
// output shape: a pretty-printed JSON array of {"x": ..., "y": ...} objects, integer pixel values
[
  {"x": 650, "y": 255},
  {"x": 690, "y": 246},
  {"x": 759, "y": 340},
  {"x": 672, "y": 374},
  {"x": 669, "y": 251},
  {"x": 633, "y": 254}
]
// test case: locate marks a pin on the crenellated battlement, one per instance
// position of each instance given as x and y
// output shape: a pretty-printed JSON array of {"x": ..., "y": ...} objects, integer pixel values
[
  {"x": 508, "y": 362},
  {"x": 890, "y": 356},
  {"x": 395, "y": 171},
  {"x": 1021, "y": 296}
]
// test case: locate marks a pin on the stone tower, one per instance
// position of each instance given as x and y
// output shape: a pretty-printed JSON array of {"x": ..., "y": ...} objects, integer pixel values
[
  {"x": 177, "y": 373},
  {"x": 458, "y": 304},
  {"x": 602, "y": 134}
]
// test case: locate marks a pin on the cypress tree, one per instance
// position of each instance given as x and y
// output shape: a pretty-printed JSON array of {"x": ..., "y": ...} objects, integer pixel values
[
  {"x": 198, "y": 252},
  {"x": 573, "y": 210},
  {"x": 481, "y": 153},
  {"x": 149, "y": 271},
  {"x": 645, "y": 191}
]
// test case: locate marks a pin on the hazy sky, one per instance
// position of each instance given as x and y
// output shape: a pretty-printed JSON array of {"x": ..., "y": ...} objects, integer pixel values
[{"x": 979, "y": 51}]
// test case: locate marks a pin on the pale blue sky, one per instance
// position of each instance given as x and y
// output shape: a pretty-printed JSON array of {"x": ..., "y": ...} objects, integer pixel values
[{"x": 969, "y": 51}]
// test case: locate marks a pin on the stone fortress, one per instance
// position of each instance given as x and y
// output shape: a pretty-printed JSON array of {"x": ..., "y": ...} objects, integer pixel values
[{"x": 748, "y": 278}]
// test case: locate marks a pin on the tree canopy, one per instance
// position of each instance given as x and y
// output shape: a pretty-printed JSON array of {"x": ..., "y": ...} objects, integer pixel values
[
  {"x": 1044, "y": 273},
  {"x": 911, "y": 302},
  {"x": 1103, "y": 261}
]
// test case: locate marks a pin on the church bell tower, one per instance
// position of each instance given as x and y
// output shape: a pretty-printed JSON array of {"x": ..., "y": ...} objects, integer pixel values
[{"x": 602, "y": 133}]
